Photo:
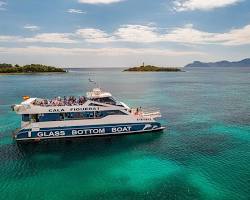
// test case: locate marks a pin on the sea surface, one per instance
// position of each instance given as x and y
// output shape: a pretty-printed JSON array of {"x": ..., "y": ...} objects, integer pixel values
[{"x": 203, "y": 154}]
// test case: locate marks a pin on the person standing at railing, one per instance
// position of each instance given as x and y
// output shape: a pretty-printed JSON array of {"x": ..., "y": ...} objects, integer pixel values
[{"x": 137, "y": 111}]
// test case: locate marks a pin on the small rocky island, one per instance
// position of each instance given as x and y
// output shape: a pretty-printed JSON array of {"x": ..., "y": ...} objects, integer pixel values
[
  {"x": 151, "y": 68},
  {"x": 33, "y": 68}
]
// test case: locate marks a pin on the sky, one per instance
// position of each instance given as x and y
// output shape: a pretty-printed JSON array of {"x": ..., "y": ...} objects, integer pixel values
[{"x": 123, "y": 33}]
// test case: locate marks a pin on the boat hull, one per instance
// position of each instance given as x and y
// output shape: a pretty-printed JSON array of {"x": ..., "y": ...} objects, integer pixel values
[{"x": 86, "y": 131}]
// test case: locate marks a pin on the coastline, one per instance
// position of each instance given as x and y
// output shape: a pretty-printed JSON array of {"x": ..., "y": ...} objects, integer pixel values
[{"x": 31, "y": 73}]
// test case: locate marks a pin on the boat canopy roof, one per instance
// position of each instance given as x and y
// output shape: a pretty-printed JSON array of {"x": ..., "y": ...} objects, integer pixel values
[{"x": 98, "y": 93}]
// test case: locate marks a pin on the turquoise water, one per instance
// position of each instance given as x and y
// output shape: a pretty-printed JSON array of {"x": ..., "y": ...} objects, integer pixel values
[{"x": 203, "y": 154}]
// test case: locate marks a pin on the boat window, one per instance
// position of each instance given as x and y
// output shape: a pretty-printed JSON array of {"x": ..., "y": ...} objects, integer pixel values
[
  {"x": 31, "y": 118},
  {"x": 25, "y": 118},
  {"x": 88, "y": 115},
  {"x": 68, "y": 116},
  {"x": 34, "y": 118},
  {"x": 49, "y": 117},
  {"x": 100, "y": 114},
  {"x": 93, "y": 104},
  {"x": 71, "y": 115},
  {"x": 78, "y": 115}
]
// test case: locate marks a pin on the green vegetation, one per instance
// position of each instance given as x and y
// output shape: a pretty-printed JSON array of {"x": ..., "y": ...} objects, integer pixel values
[
  {"x": 33, "y": 68},
  {"x": 150, "y": 68}
]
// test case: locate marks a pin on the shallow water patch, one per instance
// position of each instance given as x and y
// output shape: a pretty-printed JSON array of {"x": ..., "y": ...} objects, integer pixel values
[
  {"x": 141, "y": 173},
  {"x": 240, "y": 132}
]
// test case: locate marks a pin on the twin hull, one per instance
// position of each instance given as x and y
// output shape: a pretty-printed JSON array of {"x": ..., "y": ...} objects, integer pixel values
[{"x": 88, "y": 130}]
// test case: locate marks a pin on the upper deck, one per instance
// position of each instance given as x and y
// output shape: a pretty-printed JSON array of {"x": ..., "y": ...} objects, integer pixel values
[
  {"x": 59, "y": 101},
  {"x": 95, "y": 100}
]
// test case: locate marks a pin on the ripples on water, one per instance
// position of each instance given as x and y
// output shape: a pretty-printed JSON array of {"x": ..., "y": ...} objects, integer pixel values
[{"x": 203, "y": 154}]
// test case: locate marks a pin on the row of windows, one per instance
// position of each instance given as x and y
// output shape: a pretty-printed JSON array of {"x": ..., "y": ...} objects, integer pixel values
[{"x": 69, "y": 116}]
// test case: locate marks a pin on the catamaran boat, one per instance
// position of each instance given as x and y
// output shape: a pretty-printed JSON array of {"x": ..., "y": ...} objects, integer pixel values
[{"x": 97, "y": 114}]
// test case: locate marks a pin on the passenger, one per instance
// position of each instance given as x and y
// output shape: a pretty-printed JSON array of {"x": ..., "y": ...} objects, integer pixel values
[
  {"x": 137, "y": 111},
  {"x": 58, "y": 101}
]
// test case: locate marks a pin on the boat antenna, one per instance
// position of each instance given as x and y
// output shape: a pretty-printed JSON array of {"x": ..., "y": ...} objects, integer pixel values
[{"x": 94, "y": 82}]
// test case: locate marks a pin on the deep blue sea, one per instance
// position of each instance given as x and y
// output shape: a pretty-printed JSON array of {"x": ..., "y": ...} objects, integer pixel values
[{"x": 203, "y": 154}]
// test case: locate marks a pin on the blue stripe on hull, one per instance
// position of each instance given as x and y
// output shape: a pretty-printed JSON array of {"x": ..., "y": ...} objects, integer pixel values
[{"x": 79, "y": 131}]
